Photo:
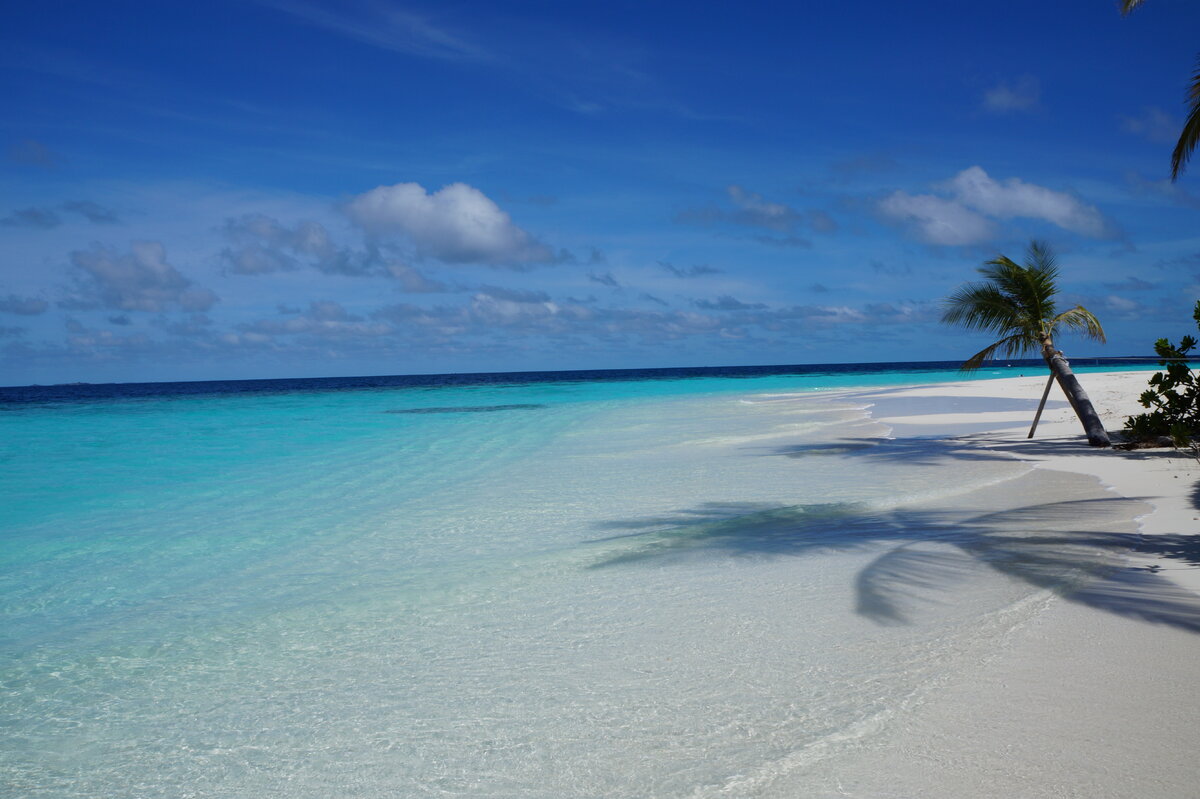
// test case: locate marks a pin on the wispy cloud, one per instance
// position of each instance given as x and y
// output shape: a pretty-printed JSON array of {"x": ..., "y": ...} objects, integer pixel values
[
  {"x": 752, "y": 210},
  {"x": 46, "y": 218},
  {"x": 32, "y": 217},
  {"x": 140, "y": 280},
  {"x": 327, "y": 321},
  {"x": 263, "y": 245},
  {"x": 1023, "y": 94},
  {"x": 1131, "y": 283},
  {"x": 697, "y": 270},
  {"x": 1154, "y": 124},
  {"x": 590, "y": 75},
  {"x": 23, "y": 306},
  {"x": 93, "y": 212},
  {"x": 604, "y": 279},
  {"x": 383, "y": 25},
  {"x": 727, "y": 303},
  {"x": 1164, "y": 188},
  {"x": 32, "y": 152}
]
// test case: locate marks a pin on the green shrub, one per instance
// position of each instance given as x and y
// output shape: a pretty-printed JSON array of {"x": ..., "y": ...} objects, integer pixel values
[{"x": 1173, "y": 397}]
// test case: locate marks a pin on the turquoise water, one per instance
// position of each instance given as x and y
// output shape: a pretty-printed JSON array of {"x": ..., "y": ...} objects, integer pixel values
[{"x": 551, "y": 589}]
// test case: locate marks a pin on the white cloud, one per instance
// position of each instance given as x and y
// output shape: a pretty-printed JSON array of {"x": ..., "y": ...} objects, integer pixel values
[
  {"x": 457, "y": 224},
  {"x": 937, "y": 220},
  {"x": 1016, "y": 198},
  {"x": 139, "y": 281},
  {"x": 1021, "y": 95},
  {"x": 976, "y": 199}
]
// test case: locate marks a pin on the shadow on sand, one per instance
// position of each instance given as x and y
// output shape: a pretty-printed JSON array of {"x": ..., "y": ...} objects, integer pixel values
[
  {"x": 1076, "y": 548},
  {"x": 894, "y": 402},
  {"x": 978, "y": 447}
]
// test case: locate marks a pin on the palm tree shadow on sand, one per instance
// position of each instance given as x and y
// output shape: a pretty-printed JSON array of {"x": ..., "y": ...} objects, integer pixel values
[{"x": 1077, "y": 549}]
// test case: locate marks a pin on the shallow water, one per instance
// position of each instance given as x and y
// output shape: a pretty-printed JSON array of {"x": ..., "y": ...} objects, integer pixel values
[{"x": 677, "y": 588}]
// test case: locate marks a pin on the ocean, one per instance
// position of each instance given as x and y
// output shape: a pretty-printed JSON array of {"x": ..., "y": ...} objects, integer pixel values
[{"x": 694, "y": 583}]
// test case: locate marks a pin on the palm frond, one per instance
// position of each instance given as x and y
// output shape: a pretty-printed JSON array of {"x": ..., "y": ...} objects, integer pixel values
[
  {"x": 1080, "y": 320},
  {"x": 1040, "y": 278},
  {"x": 1032, "y": 287},
  {"x": 1004, "y": 273},
  {"x": 1190, "y": 135},
  {"x": 1127, "y": 6},
  {"x": 1017, "y": 344},
  {"x": 1017, "y": 303},
  {"x": 981, "y": 306},
  {"x": 1041, "y": 258}
]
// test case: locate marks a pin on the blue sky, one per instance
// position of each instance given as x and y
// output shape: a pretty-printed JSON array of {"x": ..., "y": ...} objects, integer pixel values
[{"x": 304, "y": 188}]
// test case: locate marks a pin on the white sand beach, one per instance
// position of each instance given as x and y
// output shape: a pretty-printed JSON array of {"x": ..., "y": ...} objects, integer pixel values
[
  {"x": 768, "y": 589},
  {"x": 1096, "y": 695}
]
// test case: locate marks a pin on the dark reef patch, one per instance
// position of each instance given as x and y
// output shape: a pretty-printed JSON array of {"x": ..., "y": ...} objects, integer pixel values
[{"x": 524, "y": 406}]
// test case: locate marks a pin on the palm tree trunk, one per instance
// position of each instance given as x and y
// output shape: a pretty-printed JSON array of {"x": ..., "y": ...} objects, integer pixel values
[{"x": 1097, "y": 436}]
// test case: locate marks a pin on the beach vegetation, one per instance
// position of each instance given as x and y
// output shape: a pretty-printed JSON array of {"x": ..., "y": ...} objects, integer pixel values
[
  {"x": 1189, "y": 137},
  {"x": 1173, "y": 398},
  {"x": 1017, "y": 302}
]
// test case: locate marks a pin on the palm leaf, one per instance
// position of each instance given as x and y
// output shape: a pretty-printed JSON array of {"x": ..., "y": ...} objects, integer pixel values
[
  {"x": 1031, "y": 287},
  {"x": 1127, "y": 6},
  {"x": 1039, "y": 280},
  {"x": 981, "y": 306},
  {"x": 1082, "y": 321},
  {"x": 1017, "y": 344},
  {"x": 1005, "y": 274},
  {"x": 1191, "y": 129}
]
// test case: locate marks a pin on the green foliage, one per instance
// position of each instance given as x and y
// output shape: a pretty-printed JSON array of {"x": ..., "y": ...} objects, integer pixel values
[{"x": 1173, "y": 396}]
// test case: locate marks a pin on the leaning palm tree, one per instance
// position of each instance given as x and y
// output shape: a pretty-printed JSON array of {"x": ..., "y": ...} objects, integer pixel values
[
  {"x": 1189, "y": 137},
  {"x": 1017, "y": 303}
]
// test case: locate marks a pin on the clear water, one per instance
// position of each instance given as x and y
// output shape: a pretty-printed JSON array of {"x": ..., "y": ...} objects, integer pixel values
[{"x": 542, "y": 589}]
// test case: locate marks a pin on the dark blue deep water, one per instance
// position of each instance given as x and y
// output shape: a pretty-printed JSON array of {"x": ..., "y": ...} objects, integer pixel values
[{"x": 871, "y": 372}]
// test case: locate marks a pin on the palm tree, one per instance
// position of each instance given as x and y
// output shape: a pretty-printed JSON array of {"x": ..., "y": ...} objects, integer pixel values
[
  {"x": 1190, "y": 136},
  {"x": 1017, "y": 302}
]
